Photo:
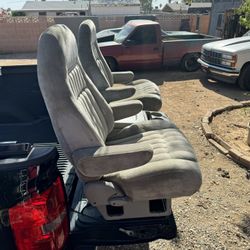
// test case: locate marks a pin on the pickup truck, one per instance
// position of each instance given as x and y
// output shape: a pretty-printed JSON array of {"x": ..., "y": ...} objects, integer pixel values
[
  {"x": 142, "y": 44},
  {"x": 41, "y": 198},
  {"x": 228, "y": 60}
]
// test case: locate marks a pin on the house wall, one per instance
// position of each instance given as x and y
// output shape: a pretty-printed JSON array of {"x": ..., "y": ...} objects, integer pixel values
[
  {"x": 218, "y": 9},
  {"x": 115, "y": 10},
  {"x": 36, "y": 14},
  {"x": 32, "y": 13},
  {"x": 50, "y": 13},
  {"x": 200, "y": 23},
  {"x": 21, "y": 34}
]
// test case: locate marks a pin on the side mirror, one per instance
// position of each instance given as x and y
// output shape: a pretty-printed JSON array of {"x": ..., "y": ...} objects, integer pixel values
[{"x": 129, "y": 43}]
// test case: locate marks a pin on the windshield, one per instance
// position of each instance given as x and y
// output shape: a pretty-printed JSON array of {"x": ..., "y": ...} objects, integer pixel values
[
  {"x": 123, "y": 34},
  {"x": 247, "y": 34}
]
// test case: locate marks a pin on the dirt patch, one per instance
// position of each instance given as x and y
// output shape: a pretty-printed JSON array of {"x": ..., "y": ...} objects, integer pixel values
[
  {"x": 232, "y": 126},
  {"x": 218, "y": 216}
]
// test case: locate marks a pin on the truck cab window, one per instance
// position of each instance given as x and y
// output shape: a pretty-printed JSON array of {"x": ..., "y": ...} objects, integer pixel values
[{"x": 144, "y": 35}]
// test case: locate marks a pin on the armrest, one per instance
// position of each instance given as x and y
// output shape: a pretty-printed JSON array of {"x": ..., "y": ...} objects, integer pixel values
[
  {"x": 123, "y": 76},
  {"x": 96, "y": 162},
  {"x": 126, "y": 108},
  {"x": 118, "y": 93}
]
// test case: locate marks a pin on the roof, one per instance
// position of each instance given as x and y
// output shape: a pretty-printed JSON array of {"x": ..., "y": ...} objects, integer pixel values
[
  {"x": 55, "y": 6},
  {"x": 73, "y": 5},
  {"x": 200, "y": 5},
  {"x": 176, "y": 7},
  {"x": 115, "y": 2}
]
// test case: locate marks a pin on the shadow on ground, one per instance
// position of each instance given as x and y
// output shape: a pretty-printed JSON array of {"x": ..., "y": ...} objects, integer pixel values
[
  {"x": 167, "y": 74},
  {"x": 163, "y": 76},
  {"x": 231, "y": 91},
  {"x": 245, "y": 225}
]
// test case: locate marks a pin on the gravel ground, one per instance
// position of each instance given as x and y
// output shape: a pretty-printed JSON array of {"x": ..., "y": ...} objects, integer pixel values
[{"x": 217, "y": 217}]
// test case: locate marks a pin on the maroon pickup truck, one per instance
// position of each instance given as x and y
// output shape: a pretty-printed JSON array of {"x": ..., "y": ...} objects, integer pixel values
[{"x": 142, "y": 44}]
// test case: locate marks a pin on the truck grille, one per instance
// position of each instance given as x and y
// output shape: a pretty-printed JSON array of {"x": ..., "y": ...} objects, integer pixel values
[{"x": 211, "y": 57}]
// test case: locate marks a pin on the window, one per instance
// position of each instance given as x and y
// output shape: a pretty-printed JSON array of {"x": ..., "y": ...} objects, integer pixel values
[
  {"x": 123, "y": 34},
  {"x": 144, "y": 35},
  {"x": 42, "y": 14}
]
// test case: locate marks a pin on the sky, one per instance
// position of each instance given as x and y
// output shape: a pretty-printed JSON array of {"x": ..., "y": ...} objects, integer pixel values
[
  {"x": 14, "y": 4},
  {"x": 18, "y": 4}
]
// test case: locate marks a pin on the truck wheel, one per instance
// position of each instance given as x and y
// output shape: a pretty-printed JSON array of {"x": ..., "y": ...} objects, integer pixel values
[
  {"x": 111, "y": 63},
  {"x": 244, "y": 78},
  {"x": 189, "y": 62}
]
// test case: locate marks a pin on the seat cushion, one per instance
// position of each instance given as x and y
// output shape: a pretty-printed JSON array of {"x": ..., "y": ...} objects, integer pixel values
[
  {"x": 148, "y": 93},
  {"x": 145, "y": 85},
  {"x": 173, "y": 170}
]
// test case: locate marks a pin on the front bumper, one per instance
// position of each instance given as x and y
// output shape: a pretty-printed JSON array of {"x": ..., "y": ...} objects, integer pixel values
[{"x": 219, "y": 73}]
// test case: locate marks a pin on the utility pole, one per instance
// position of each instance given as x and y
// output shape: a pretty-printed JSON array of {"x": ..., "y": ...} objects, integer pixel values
[{"x": 89, "y": 9}]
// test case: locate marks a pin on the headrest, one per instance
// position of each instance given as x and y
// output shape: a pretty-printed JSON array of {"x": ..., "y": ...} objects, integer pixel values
[
  {"x": 88, "y": 28},
  {"x": 55, "y": 41}
]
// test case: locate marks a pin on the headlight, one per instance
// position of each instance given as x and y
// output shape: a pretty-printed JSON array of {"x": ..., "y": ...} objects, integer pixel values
[
  {"x": 229, "y": 60},
  {"x": 227, "y": 57},
  {"x": 226, "y": 63}
]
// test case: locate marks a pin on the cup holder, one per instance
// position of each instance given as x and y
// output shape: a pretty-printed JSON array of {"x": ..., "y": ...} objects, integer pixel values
[{"x": 153, "y": 115}]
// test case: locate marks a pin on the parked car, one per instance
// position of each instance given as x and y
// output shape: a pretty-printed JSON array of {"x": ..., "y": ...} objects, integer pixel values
[
  {"x": 228, "y": 60},
  {"x": 142, "y": 44}
]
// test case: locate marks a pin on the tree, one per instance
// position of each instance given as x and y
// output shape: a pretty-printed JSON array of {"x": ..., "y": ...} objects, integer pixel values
[
  {"x": 18, "y": 13},
  {"x": 146, "y": 5},
  {"x": 244, "y": 12}
]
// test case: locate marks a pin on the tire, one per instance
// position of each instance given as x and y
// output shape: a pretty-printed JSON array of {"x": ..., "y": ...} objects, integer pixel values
[
  {"x": 189, "y": 62},
  {"x": 111, "y": 63},
  {"x": 244, "y": 78}
]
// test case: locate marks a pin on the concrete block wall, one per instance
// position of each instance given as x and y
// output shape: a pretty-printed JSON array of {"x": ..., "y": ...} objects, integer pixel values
[
  {"x": 107, "y": 22},
  {"x": 20, "y": 35},
  {"x": 170, "y": 22}
]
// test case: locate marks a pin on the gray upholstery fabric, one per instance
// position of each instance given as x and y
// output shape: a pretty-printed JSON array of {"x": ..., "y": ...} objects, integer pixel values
[
  {"x": 148, "y": 160},
  {"x": 173, "y": 166},
  {"x": 126, "y": 109},
  {"x": 98, "y": 70},
  {"x": 72, "y": 106}
]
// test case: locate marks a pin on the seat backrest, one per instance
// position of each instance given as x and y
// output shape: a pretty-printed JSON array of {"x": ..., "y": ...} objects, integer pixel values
[
  {"x": 91, "y": 57},
  {"x": 80, "y": 116}
]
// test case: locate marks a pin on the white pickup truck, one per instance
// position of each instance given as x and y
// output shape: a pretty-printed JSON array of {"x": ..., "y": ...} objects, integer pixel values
[{"x": 228, "y": 60}]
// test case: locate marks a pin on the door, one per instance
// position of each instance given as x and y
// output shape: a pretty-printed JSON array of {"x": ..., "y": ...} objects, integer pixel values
[{"x": 142, "y": 49}]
